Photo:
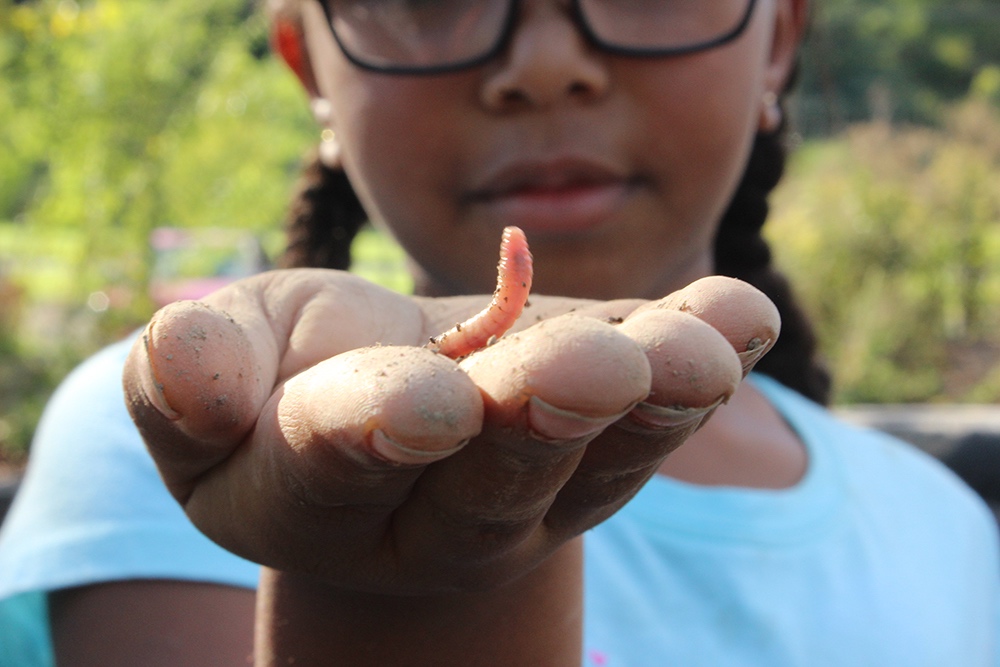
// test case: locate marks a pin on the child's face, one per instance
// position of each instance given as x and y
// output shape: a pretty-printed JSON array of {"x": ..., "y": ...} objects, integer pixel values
[{"x": 617, "y": 168}]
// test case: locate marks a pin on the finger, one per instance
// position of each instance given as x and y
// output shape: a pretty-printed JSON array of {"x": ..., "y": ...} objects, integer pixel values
[
  {"x": 612, "y": 312},
  {"x": 565, "y": 378},
  {"x": 343, "y": 443},
  {"x": 694, "y": 369},
  {"x": 546, "y": 392},
  {"x": 742, "y": 313},
  {"x": 309, "y": 315},
  {"x": 201, "y": 372},
  {"x": 380, "y": 407},
  {"x": 194, "y": 383}
]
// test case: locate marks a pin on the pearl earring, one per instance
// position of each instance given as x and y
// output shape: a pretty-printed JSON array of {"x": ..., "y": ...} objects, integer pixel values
[
  {"x": 770, "y": 113},
  {"x": 321, "y": 110},
  {"x": 329, "y": 149}
]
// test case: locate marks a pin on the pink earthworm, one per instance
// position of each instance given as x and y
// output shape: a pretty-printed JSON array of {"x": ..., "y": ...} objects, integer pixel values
[{"x": 509, "y": 298}]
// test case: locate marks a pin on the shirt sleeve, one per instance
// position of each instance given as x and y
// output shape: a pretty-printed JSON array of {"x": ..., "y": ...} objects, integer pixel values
[{"x": 92, "y": 507}]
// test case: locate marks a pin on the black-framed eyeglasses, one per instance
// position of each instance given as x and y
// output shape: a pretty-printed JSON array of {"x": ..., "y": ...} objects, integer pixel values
[{"x": 437, "y": 36}]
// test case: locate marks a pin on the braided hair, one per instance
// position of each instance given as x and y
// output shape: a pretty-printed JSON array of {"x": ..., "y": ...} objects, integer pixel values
[
  {"x": 742, "y": 252},
  {"x": 323, "y": 219}
]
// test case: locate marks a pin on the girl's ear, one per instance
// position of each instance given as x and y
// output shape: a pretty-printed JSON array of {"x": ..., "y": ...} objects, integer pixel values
[
  {"x": 288, "y": 40},
  {"x": 791, "y": 18}
]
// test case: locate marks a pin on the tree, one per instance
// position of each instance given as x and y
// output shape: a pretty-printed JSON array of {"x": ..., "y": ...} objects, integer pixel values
[
  {"x": 895, "y": 60},
  {"x": 125, "y": 115}
]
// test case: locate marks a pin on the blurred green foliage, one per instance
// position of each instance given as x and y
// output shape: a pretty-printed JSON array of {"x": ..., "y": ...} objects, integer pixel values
[
  {"x": 895, "y": 60},
  {"x": 121, "y": 116},
  {"x": 117, "y": 117},
  {"x": 892, "y": 236}
]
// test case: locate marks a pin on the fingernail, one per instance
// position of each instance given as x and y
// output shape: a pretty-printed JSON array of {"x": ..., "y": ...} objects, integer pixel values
[
  {"x": 554, "y": 423},
  {"x": 755, "y": 350},
  {"x": 661, "y": 416},
  {"x": 150, "y": 387},
  {"x": 391, "y": 450}
]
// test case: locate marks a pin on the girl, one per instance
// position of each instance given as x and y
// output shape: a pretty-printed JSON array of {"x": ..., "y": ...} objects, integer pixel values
[{"x": 411, "y": 509}]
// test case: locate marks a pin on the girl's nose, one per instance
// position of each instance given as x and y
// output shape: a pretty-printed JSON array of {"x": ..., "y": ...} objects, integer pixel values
[{"x": 547, "y": 62}]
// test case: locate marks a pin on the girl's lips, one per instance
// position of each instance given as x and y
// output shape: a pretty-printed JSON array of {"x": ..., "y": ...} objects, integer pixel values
[
  {"x": 559, "y": 197},
  {"x": 558, "y": 210}
]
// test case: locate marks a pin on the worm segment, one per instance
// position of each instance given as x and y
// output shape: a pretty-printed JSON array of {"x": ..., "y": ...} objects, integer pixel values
[{"x": 509, "y": 298}]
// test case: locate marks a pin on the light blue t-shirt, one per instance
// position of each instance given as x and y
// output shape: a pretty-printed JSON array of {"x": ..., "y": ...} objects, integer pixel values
[
  {"x": 879, "y": 556},
  {"x": 92, "y": 508}
]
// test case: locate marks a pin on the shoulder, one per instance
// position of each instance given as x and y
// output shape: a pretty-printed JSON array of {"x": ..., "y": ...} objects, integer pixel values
[
  {"x": 876, "y": 535},
  {"x": 85, "y": 419},
  {"x": 85, "y": 434},
  {"x": 92, "y": 506},
  {"x": 882, "y": 474},
  {"x": 90, "y": 384},
  {"x": 89, "y": 400}
]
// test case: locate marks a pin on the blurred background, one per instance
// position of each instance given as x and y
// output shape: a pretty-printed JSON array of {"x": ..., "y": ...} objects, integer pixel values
[{"x": 148, "y": 150}]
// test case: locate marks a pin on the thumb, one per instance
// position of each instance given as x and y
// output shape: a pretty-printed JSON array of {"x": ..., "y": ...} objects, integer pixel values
[{"x": 194, "y": 384}]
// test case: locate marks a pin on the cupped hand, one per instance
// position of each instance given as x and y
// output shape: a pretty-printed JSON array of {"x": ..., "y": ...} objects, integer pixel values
[{"x": 303, "y": 424}]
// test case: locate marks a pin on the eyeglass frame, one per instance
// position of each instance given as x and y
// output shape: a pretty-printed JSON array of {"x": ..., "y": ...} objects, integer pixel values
[{"x": 507, "y": 32}]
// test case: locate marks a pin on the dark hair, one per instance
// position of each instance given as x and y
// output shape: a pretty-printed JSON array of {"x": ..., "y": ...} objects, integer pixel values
[
  {"x": 742, "y": 252},
  {"x": 323, "y": 219},
  {"x": 326, "y": 214}
]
